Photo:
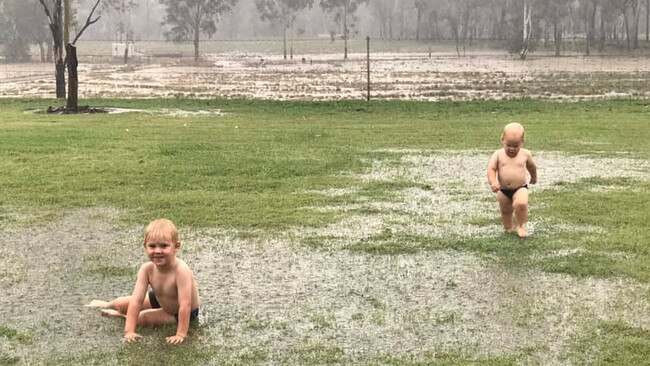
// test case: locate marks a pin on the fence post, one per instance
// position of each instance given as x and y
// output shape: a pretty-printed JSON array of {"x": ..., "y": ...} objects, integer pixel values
[{"x": 368, "y": 63}]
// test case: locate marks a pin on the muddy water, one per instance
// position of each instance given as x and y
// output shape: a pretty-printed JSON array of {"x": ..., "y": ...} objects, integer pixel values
[{"x": 327, "y": 77}]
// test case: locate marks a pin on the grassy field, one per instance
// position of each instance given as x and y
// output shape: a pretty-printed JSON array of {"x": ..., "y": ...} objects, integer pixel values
[{"x": 347, "y": 186}]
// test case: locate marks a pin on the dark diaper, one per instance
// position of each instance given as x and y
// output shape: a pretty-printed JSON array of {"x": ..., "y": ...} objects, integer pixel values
[
  {"x": 156, "y": 305},
  {"x": 511, "y": 192}
]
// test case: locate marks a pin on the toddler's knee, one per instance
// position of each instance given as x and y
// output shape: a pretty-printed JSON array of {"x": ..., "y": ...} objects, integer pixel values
[{"x": 519, "y": 206}]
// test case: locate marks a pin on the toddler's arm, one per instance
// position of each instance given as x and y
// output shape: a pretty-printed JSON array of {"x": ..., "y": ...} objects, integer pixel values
[
  {"x": 184, "y": 283},
  {"x": 492, "y": 172},
  {"x": 532, "y": 168},
  {"x": 135, "y": 304}
]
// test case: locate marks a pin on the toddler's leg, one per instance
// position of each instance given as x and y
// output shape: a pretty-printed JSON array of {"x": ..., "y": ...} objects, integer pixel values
[
  {"x": 155, "y": 317},
  {"x": 121, "y": 304},
  {"x": 118, "y": 307},
  {"x": 506, "y": 210},
  {"x": 520, "y": 203}
]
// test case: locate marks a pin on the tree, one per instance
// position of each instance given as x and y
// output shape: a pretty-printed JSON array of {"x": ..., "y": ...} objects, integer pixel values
[
  {"x": 647, "y": 20},
  {"x": 71, "y": 59},
  {"x": 554, "y": 13},
  {"x": 421, "y": 7},
  {"x": 629, "y": 10},
  {"x": 284, "y": 11},
  {"x": 382, "y": 11},
  {"x": 119, "y": 11},
  {"x": 527, "y": 29},
  {"x": 458, "y": 13},
  {"x": 191, "y": 18},
  {"x": 23, "y": 25},
  {"x": 54, "y": 13},
  {"x": 589, "y": 9},
  {"x": 344, "y": 11}
]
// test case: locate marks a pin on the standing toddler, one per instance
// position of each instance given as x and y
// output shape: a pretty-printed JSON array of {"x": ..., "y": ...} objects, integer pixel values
[{"x": 506, "y": 174}]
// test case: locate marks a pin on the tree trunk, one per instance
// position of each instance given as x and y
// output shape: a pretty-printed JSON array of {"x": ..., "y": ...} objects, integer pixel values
[
  {"x": 48, "y": 56},
  {"x": 591, "y": 34},
  {"x": 284, "y": 49},
  {"x": 635, "y": 25},
  {"x": 417, "y": 27},
  {"x": 196, "y": 42},
  {"x": 345, "y": 33},
  {"x": 42, "y": 49},
  {"x": 647, "y": 20},
  {"x": 59, "y": 73},
  {"x": 57, "y": 35},
  {"x": 73, "y": 81},
  {"x": 528, "y": 9},
  {"x": 601, "y": 43},
  {"x": 557, "y": 37},
  {"x": 627, "y": 32}
]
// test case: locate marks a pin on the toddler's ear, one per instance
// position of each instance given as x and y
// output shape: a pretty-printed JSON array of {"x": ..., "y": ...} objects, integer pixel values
[{"x": 178, "y": 244}]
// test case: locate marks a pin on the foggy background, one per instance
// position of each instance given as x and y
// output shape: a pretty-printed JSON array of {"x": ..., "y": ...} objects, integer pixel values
[{"x": 621, "y": 24}]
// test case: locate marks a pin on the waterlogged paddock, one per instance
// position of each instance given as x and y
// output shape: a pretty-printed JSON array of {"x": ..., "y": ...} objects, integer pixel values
[
  {"x": 444, "y": 76},
  {"x": 315, "y": 295}
]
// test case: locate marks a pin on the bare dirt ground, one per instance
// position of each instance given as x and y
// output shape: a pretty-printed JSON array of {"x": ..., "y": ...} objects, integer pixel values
[{"x": 328, "y": 77}]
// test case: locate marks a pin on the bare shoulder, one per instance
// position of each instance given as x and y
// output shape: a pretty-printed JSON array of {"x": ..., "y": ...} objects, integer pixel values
[
  {"x": 495, "y": 156},
  {"x": 147, "y": 267},
  {"x": 183, "y": 268},
  {"x": 527, "y": 153}
]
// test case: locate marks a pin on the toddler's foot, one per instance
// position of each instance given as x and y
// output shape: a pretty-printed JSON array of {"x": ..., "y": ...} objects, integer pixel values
[
  {"x": 521, "y": 232},
  {"x": 110, "y": 313},
  {"x": 97, "y": 304}
]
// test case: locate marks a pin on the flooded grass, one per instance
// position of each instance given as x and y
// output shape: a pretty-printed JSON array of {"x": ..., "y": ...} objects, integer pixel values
[
  {"x": 329, "y": 233},
  {"x": 445, "y": 76}
]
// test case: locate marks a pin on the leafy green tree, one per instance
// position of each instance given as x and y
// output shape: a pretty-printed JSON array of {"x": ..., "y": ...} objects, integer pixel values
[
  {"x": 283, "y": 11},
  {"x": 344, "y": 13},
  {"x": 191, "y": 18}
]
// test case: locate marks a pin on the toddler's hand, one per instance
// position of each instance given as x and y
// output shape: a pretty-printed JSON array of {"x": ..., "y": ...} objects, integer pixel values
[
  {"x": 175, "y": 339},
  {"x": 131, "y": 337},
  {"x": 495, "y": 187}
]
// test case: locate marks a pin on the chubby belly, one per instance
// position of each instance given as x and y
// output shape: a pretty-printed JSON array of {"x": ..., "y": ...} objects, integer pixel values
[{"x": 512, "y": 178}]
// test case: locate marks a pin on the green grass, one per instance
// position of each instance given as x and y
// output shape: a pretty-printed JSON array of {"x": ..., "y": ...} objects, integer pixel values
[
  {"x": 14, "y": 335},
  {"x": 446, "y": 358},
  {"x": 256, "y": 170},
  {"x": 113, "y": 271},
  {"x": 256, "y": 175},
  {"x": 613, "y": 343}
]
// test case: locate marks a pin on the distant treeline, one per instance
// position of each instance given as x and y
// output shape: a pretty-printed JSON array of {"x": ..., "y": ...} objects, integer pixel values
[{"x": 519, "y": 26}]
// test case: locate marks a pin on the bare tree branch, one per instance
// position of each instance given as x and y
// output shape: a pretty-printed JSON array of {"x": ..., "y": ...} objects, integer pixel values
[
  {"x": 88, "y": 22},
  {"x": 47, "y": 11}
]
